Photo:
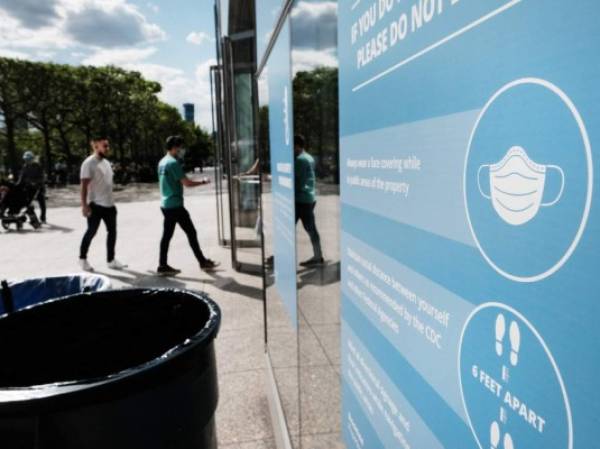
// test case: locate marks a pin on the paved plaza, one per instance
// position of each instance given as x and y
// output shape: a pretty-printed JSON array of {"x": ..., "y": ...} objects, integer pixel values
[{"x": 243, "y": 420}]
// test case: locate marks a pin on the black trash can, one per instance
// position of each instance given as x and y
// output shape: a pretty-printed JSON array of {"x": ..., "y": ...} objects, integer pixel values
[
  {"x": 33, "y": 291},
  {"x": 125, "y": 369}
]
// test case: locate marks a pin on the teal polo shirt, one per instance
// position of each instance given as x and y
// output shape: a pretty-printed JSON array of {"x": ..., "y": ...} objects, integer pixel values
[
  {"x": 170, "y": 174},
  {"x": 305, "y": 178}
]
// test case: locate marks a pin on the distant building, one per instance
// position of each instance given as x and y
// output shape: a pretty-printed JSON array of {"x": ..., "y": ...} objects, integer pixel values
[{"x": 188, "y": 112}]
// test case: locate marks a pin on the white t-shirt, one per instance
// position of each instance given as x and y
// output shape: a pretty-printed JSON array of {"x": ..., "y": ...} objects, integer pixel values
[{"x": 100, "y": 174}]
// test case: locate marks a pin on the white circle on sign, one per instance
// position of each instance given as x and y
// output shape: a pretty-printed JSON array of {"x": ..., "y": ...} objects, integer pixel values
[
  {"x": 504, "y": 307},
  {"x": 590, "y": 180}
]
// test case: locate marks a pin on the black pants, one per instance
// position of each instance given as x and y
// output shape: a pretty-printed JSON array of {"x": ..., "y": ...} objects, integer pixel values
[
  {"x": 305, "y": 212},
  {"x": 109, "y": 216},
  {"x": 41, "y": 199},
  {"x": 178, "y": 216}
]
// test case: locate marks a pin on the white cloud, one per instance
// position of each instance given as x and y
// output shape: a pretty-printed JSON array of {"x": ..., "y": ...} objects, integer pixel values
[
  {"x": 198, "y": 37},
  {"x": 91, "y": 23},
  {"x": 263, "y": 87},
  {"x": 314, "y": 11},
  {"x": 153, "y": 7},
  {"x": 14, "y": 35},
  {"x": 41, "y": 55},
  {"x": 118, "y": 57},
  {"x": 314, "y": 25},
  {"x": 109, "y": 23},
  {"x": 7, "y": 53},
  {"x": 307, "y": 60},
  {"x": 31, "y": 13}
]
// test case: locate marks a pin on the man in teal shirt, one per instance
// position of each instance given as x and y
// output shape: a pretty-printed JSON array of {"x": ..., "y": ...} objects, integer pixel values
[
  {"x": 172, "y": 179},
  {"x": 306, "y": 198}
]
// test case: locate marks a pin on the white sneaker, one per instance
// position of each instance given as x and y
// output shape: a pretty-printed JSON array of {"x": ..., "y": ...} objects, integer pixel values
[
  {"x": 116, "y": 265},
  {"x": 85, "y": 265}
]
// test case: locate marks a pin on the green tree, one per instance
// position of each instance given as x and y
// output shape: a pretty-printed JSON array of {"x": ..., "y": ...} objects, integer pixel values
[{"x": 65, "y": 105}]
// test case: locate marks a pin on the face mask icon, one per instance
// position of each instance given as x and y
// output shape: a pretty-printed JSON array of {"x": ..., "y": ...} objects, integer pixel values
[{"x": 517, "y": 186}]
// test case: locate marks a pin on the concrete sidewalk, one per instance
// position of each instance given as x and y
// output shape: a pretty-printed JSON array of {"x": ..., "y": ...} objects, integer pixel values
[{"x": 243, "y": 417}]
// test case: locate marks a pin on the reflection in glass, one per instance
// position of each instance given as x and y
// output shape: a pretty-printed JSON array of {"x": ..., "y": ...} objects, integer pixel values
[
  {"x": 315, "y": 97},
  {"x": 267, "y": 13},
  {"x": 282, "y": 337}
]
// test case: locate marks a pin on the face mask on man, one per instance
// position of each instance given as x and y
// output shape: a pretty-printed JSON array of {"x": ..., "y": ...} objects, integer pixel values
[
  {"x": 181, "y": 153},
  {"x": 517, "y": 186}
]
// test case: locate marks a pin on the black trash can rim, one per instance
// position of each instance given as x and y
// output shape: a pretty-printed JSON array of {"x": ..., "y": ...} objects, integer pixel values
[{"x": 34, "y": 395}]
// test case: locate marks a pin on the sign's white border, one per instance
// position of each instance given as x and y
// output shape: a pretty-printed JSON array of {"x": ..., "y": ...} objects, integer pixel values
[
  {"x": 590, "y": 184},
  {"x": 548, "y": 353}
]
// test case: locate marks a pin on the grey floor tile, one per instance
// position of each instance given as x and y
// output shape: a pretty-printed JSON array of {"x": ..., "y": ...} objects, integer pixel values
[
  {"x": 243, "y": 412},
  {"x": 240, "y": 350}
]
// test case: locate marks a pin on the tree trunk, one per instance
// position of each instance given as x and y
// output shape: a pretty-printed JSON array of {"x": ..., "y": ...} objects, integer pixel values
[
  {"x": 47, "y": 149},
  {"x": 66, "y": 147},
  {"x": 11, "y": 146}
]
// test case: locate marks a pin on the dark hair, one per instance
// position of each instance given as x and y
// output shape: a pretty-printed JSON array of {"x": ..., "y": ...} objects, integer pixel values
[
  {"x": 173, "y": 142},
  {"x": 98, "y": 136},
  {"x": 299, "y": 141}
]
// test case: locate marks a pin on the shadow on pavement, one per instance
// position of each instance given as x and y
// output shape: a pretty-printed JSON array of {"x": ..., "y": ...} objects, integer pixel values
[
  {"x": 229, "y": 284},
  {"x": 53, "y": 227},
  {"x": 148, "y": 279}
]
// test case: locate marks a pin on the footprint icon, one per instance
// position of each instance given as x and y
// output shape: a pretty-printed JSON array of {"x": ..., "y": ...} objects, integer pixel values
[
  {"x": 494, "y": 435},
  {"x": 515, "y": 343},
  {"x": 500, "y": 331},
  {"x": 508, "y": 442}
]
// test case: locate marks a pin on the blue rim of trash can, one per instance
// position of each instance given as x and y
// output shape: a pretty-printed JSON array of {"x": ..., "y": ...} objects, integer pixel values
[
  {"x": 106, "y": 284},
  {"x": 55, "y": 396}
]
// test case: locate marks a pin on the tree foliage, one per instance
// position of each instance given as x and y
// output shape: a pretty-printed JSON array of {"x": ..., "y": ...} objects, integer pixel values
[
  {"x": 316, "y": 116},
  {"x": 53, "y": 110}
]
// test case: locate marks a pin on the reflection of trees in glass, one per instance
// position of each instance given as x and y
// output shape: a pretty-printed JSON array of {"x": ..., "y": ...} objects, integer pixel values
[
  {"x": 316, "y": 118},
  {"x": 263, "y": 137}
]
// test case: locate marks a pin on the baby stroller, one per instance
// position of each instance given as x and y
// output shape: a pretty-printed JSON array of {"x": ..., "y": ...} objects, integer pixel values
[{"x": 15, "y": 206}]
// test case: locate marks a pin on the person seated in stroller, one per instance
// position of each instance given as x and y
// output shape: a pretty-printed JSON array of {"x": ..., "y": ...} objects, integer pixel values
[{"x": 15, "y": 205}]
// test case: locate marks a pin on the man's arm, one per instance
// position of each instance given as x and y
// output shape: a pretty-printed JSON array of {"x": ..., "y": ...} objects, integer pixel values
[
  {"x": 189, "y": 183},
  {"x": 85, "y": 207}
]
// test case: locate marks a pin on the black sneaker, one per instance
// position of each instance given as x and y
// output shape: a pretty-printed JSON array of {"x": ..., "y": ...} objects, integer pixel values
[
  {"x": 166, "y": 270},
  {"x": 209, "y": 265},
  {"x": 313, "y": 262}
]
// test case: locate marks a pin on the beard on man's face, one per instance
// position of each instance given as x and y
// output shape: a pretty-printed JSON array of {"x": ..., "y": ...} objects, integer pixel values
[{"x": 102, "y": 149}]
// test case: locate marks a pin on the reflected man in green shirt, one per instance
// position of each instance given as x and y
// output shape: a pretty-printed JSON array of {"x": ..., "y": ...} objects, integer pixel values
[{"x": 306, "y": 198}]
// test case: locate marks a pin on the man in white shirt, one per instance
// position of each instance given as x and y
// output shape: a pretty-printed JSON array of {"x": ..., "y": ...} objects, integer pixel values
[{"x": 97, "y": 202}]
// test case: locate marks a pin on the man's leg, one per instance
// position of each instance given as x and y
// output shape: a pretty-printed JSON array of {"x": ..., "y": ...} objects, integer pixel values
[
  {"x": 109, "y": 216},
  {"x": 168, "y": 229},
  {"x": 41, "y": 199},
  {"x": 184, "y": 220},
  {"x": 93, "y": 222},
  {"x": 307, "y": 215}
]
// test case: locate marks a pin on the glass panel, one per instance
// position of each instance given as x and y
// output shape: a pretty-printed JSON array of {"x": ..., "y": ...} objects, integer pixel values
[
  {"x": 315, "y": 96},
  {"x": 245, "y": 182},
  {"x": 224, "y": 16},
  {"x": 221, "y": 185},
  {"x": 267, "y": 12},
  {"x": 239, "y": 151},
  {"x": 282, "y": 337}
]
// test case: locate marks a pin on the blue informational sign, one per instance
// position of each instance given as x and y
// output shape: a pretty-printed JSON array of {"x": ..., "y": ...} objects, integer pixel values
[
  {"x": 470, "y": 232},
  {"x": 282, "y": 166}
]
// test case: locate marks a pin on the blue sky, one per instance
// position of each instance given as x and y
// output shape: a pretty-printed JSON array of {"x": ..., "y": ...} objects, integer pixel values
[{"x": 170, "y": 41}]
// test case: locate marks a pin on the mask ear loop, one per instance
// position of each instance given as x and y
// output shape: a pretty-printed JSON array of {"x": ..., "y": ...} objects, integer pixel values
[
  {"x": 562, "y": 185},
  {"x": 487, "y": 197}
]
